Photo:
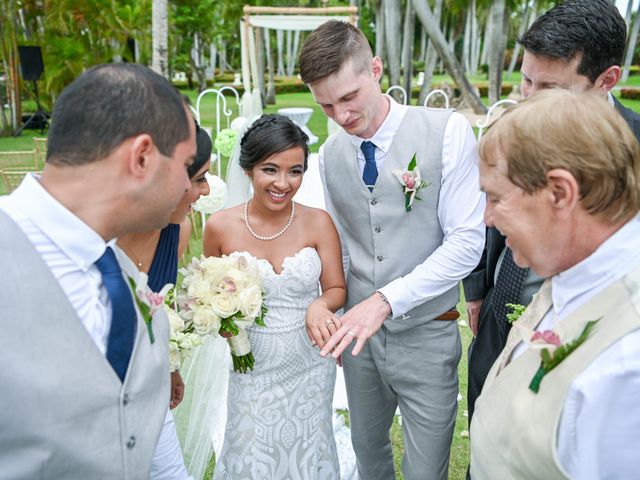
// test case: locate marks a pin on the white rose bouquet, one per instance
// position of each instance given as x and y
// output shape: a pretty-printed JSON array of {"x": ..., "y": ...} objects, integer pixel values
[{"x": 224, "y": 295}]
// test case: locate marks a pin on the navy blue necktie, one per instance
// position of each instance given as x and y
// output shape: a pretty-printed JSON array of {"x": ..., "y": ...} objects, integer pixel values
[
  {"x": 370, "y": 173},
  {"x": 123, "y": 313}
]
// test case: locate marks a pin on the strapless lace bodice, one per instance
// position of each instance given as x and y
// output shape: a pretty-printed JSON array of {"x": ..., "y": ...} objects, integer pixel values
[{"x": 291, "y": 290}]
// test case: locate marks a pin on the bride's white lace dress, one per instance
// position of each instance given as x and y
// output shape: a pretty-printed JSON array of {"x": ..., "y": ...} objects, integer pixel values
[{"x": 279, "y": 423}]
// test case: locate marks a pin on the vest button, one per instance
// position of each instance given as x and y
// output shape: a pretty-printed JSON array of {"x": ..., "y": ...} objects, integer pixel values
[
  {"x": 132, "y": 442},
  {"x": 373, "y": 201},
  {"x": 379, "y": 258},
  {"x": 378, "y": 229},
  {"x": 125, "y": 399}
]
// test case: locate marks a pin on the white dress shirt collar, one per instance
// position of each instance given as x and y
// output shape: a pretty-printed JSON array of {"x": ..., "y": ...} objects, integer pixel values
[
  {"x": 616, "y": 257},
  {"x": 72, "y": 236},
  {"x": 383, "y": 138}
]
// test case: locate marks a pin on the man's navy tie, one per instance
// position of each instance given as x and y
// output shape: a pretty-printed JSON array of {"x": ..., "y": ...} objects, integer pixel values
[
  {"x": 123, "y": 313},
  {"x": 370, "y": 173}
]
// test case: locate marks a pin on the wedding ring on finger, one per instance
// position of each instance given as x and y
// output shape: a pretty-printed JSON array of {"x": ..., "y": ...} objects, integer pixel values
[
  {"x": 352, "y": 334},
  {"x": 329, "y": 322}
]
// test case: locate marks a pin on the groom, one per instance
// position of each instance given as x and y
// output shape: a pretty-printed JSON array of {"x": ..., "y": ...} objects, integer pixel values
[
  {"x": 85, "y": 389},
  {"x": 405, "y": 257}
]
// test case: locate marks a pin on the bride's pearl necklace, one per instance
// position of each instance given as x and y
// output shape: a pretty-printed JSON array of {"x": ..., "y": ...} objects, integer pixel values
[{"x": 270, "y": 237}]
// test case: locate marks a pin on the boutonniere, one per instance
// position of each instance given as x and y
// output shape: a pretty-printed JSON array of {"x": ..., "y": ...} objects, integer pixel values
[
  {"x": 148, "y": 301},
  {"x": 552, "y": 350},
  {"x": 411, "y": 182},
  {"x": 516, "y": 311}
]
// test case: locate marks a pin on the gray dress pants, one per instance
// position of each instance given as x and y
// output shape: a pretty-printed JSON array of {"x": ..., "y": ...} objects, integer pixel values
[{"x": 415, "y": 370}]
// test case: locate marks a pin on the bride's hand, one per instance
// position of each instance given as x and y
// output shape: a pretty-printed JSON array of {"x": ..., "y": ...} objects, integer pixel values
[{"x": 321, "y": 323}]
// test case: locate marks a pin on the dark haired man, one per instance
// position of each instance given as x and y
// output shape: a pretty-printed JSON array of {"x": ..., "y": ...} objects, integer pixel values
[
  {"x": 577, "y": 45},
  {"x": 405, "y": 258},
  {"x": 86, "y": 387}
]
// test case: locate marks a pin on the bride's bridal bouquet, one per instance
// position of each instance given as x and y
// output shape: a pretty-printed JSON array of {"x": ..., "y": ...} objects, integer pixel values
[{"x": 224, "y": 295}]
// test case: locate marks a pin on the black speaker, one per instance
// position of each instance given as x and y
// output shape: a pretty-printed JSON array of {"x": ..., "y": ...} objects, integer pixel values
[{"x": 31, "y": 62}]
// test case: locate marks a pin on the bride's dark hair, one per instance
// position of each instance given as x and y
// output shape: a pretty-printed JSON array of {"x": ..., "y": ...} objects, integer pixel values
[{"x": 271, "y": 134}]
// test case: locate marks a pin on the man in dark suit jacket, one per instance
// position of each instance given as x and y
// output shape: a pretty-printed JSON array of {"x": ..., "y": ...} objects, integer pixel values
[{"x": 579, "y": 45}]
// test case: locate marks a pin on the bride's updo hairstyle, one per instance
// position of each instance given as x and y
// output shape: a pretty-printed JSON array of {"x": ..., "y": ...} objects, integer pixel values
[{"x": 271, "y": 134}]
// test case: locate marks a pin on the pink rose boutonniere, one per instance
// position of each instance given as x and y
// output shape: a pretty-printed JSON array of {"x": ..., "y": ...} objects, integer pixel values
[
  {"x": 552, "y": 350},
  {"x": 148, "y": 301},
  {"x": 411, "y": 182}
]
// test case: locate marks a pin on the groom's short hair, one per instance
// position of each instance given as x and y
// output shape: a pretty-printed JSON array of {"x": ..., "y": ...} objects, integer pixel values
[
  {"x": 573, "y": 131},
  {"x": 110, "y": 103},
  {"x": 330, "y": 47},
  {"x": 591, "y": 28}
]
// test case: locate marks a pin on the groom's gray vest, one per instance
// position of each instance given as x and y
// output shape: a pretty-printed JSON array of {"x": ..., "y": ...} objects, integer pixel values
[
  {"x": 64, "y": 414},
  {"x": 384, "y": 241}
]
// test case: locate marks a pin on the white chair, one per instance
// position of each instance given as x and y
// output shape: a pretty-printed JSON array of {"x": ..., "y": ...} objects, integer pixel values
[
  {"x": 401, "y": 90},
  {"x": 437, "y": 91},
  {"x": 482, "y": 124}
]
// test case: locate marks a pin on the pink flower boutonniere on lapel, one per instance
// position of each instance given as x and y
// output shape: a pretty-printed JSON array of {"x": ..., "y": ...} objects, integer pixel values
[
  {"x": 552, "y": 350},
  {"x": 148, "y": 301},
  {"x": 411, "y": 182}
]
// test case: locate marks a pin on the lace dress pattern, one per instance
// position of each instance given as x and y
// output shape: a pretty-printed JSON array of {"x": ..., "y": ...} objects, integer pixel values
[{"x": 279, "y": 422}]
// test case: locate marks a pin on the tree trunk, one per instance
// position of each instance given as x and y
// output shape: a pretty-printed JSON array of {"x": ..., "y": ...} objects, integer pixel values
[
  {"x": 527, "y": 20},
  {"x": 631, "y": 46},
  {"x": 271, "y": 91},
  {"x": 160, "y": 37},
  {"x": 392, "y": 28},
  {"x": 431, "y": 59},
  {"x": 422, "y": 54},
  {"x": 486, "y": 45},
  {"x": 475, "y": 40},
  {"x": 627, "y": 17},
  {"x": 466, "y": 42},
  {"x": 280, "y": 46},
  {"x": 496, "y": 57},
  {"x": 197, "y": 66},
  {"x": 407, "y": 49},
  {"x": 294, "y": 52},
  {"x": 380, "y": 31},
  {"x": 289, "y": 54},
  {"x": 451, "y": 64},
  {"x": 222, "y": 53},
  {"x": 213, "y": 59}
]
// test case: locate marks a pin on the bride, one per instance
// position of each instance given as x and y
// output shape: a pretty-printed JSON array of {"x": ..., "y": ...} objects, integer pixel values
[{"x": 279, "y": 422}]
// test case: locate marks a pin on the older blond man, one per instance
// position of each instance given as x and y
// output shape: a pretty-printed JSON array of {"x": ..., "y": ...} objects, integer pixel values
[{"x": 562, "y": 177}]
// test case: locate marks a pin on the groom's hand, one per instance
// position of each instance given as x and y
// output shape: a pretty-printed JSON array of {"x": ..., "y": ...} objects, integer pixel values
[{"x": 359, "y": 323}]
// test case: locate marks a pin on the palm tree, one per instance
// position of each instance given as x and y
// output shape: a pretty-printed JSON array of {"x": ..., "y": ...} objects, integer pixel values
[
  {"x": 451, "y": 63},
  {"x": 160, "y": 37}
]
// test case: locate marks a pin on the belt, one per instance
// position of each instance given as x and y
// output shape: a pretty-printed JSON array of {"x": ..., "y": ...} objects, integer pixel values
[{"x": 450, "y": 315}]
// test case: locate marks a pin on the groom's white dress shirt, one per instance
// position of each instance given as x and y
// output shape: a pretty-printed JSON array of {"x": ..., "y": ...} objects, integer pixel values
[
  {"x": 599, "y": 431},
  {"x": 460, "y": 211},
  {"x": 70, "y": 248}
]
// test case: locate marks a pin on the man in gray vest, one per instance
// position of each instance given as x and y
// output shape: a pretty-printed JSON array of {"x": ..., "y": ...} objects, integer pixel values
[
  {"x": 399, "y": 183},
  {"x": 86, "y": 387}
]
